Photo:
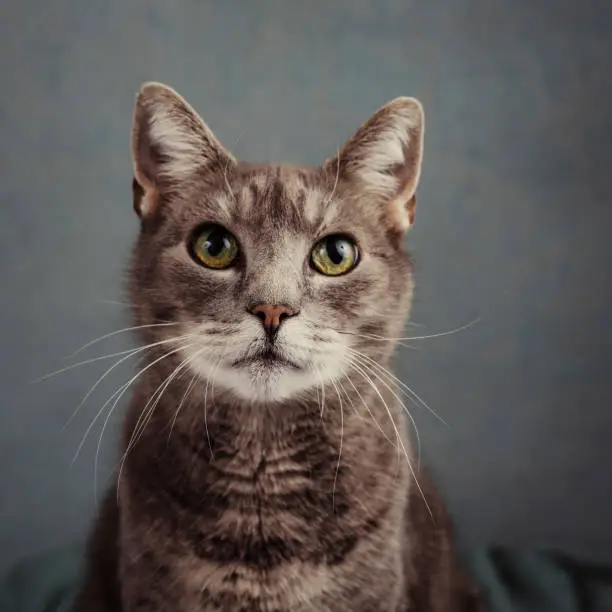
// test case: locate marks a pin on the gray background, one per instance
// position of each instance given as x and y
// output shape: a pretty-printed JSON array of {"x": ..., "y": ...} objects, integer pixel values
[{"x": 513, "y": 227}]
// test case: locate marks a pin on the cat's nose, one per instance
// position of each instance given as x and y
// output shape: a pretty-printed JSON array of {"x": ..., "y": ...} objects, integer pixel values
[{"x": 272, "y": 315}]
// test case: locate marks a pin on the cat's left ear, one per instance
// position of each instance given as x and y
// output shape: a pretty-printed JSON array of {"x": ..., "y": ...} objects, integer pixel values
[
  {"x": 171, "y": 147},
  {"x": 382, "y": 161}
]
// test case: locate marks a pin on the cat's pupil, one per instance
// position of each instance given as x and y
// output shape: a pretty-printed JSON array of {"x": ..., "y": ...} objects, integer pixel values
[
  {"x": 215, "y": 243},
  {"x": 337, "y": 251}
]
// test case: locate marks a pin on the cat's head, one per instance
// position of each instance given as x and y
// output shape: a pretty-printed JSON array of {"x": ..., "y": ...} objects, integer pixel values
[{"x": 274, "y": 280}]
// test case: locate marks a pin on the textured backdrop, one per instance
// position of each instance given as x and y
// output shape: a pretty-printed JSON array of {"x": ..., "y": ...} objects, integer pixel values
[{"x": 514, "y": 226}]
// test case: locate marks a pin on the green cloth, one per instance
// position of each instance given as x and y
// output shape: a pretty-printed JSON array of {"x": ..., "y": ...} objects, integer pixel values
[
  {"x": 514, "y": 581},
  {"x": 46, "y": 583},
  {"x": 522, "y": 581}
]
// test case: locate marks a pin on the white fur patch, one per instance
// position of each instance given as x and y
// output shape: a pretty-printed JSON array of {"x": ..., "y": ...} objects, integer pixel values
[
  {"x": 401, "y": 212},
  {"x": 148, "y": 203},
  {"x": 183, "y": 148},
  {"x": 387, "y": 149},
  {"x": 378, "y": 155},
  {"x": 319, "y": 363},
  {"x": 312, "y": 205},
  {"x": 225, "y": 204}
]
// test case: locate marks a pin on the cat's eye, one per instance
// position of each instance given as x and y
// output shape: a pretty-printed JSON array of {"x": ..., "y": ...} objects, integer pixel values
[
  {"x": 214, "y": 247},
  {"x": 334, "y": 255}
]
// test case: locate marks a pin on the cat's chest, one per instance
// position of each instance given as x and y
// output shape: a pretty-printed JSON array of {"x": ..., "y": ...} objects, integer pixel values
[
  {"x": 249, "y": 467},
  {"x": 265, "y": 533},
  {"x": 262, "y": 473},
  {"x": 257, "y": 505},
  {"x": 270, "y": 493},
  {"x": 233, "y": 517}
]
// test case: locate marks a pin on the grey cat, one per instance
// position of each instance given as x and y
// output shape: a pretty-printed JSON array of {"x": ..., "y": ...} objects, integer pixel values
[{"x": 266, "y": 459}]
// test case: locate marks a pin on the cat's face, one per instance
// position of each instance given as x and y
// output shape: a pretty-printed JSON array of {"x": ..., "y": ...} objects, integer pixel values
[{"x": 278, "y": 280}]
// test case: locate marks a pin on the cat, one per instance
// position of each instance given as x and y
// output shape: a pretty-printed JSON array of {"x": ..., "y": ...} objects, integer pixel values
[{"x": 267, "y": 465}]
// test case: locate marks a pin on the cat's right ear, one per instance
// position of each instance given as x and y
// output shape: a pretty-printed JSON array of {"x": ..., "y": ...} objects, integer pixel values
[
  {"x": 171, "y": 147},
  {"x": 381, "y": 163}
]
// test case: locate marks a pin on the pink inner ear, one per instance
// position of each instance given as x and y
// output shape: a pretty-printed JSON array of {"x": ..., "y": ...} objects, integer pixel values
[
  {"x": 144, "y": 198},
  {"x": 411, "y": 209}
]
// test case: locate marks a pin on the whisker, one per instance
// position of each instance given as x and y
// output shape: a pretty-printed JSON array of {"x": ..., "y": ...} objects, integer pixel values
[
  {"x": 151, "y": 404},
  {"x": 116, "y": 364},
  {"x": 376, "y": 423},
  {"x": 408, "y": 391},
  {"x": 397, "y": 433},
  {"x": 227, "y": 183},
  {"x": 322, "y": 396},
  {"x": 370, "y": 337},
  {"x": 208, "y": 381},
  {"x": 400, "y": 444},
  {"x": 445, "y": 333},
  {"x": 82, "y": 363},
  {"x": 215, "y": 372},
  {"x": 86, "y": 362},
  {"x": 115, "y": 333},
  {"x": 370, "y": 370},
  {"x": 119, "y": 393},
  {"x": 349, "y": 398},
  {"x": 331, "y": 196},
  {"x": 147, "y": 412},
  {"x": 438, "y": 335},
  {"x": 320, "y": 391},
  {"x": 131, "y": 442},
  {"x": 188, "y": 390},
  {"x": 340, "y": 448}
]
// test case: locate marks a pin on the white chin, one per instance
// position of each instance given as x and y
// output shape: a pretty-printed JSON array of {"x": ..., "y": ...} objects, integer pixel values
[{"x": 273, "y": 383}]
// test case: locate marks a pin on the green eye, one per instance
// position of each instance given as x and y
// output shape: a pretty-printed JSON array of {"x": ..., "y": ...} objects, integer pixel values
[
  {"x": 215, "y": 247},
  {"x": 334, "y": 255}
]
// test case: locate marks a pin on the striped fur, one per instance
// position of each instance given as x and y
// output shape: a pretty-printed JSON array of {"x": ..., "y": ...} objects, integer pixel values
[{"x": 271, "y": 489}]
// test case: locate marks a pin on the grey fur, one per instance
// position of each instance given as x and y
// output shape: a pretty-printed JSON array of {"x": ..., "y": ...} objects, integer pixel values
[{"x": 257, "y": 495}]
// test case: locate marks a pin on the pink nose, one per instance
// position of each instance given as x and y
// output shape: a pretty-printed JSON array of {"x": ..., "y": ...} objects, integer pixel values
[{"x": 272, "y": 315}]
